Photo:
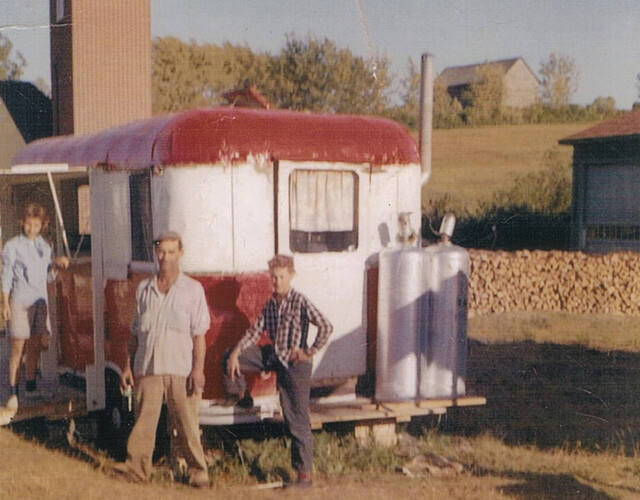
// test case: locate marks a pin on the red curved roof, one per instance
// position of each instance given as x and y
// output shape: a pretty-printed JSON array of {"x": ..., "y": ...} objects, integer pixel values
[{"x": 210, "y": 135}]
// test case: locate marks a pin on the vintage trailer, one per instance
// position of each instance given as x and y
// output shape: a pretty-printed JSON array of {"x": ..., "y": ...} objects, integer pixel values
[{"x": 240, "y": 185}]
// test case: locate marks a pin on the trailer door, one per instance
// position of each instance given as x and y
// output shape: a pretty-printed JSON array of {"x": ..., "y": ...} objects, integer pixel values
[{"x": 319, "y": 224}]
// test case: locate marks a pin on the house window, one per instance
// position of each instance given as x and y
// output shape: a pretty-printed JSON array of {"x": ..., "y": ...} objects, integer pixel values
[
  {"x": 323, "y": 208},
  {"x": 141, "y": 224},
  {"x": 611, "y": 232}
]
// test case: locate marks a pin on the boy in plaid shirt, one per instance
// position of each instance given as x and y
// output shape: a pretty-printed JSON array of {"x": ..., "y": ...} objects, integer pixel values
[{"x": 285, "y": 317}]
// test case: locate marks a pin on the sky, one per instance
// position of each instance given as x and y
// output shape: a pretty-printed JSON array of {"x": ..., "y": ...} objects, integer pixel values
[{"x": 602, "y": 36}]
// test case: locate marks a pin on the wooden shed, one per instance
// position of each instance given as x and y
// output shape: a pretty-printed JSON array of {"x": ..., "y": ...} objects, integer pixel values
[{"x": 606, "y": 182}]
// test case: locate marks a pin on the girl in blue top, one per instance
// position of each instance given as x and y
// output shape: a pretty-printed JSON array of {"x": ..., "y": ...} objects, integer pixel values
[{"x": 26, "y": 269}]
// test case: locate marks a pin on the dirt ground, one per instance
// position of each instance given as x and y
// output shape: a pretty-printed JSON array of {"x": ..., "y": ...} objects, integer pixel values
[{"x": 30, "y": 470}]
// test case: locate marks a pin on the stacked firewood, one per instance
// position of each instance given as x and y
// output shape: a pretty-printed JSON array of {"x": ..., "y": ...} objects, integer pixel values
[{"x": 554, "y": 281}]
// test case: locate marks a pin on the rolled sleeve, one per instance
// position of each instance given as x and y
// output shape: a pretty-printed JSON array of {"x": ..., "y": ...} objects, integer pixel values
[
  {"x": 8, "y": 256},
  {"x": 252, "y": 334}
]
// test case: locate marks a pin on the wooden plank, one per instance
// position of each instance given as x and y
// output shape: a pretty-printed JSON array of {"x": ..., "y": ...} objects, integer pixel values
[
  {"x": 404, "y": 406},
  {"x": 52, "y": 401},
  {"x": 318, "y": 418},
  {"x": 399, "y": 411},
  {"x": 462, "y": 401},
  {"x": 52, "y": 410}
]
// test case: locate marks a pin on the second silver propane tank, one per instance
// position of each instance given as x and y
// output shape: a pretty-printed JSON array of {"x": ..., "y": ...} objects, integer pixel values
[{"x": 443, "y": 333}]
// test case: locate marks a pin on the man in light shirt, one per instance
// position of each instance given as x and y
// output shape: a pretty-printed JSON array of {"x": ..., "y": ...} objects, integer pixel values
[{"x": 168, "y": 345}]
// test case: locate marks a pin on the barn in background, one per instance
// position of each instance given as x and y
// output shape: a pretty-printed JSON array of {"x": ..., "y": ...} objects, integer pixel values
[
  {"x": 606, "y": 185},
  {"x": 520, "y": 83}
]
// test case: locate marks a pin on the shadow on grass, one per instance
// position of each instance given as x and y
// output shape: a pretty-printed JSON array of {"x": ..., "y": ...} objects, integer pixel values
[
  {"x": 551, "y": 487},
  {"x": 552, "y": 395}
]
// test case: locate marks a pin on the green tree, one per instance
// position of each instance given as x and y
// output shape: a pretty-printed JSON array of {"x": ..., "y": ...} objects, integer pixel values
[
  {"x": 316, "y": 75},
  {"x": 307, "y": 74},
  {"x": 604, "y": 104},
  {"x": 189, "y": 75},
  {"x": 485, "y": 94},
  {"x": 183, "y": 74},
  {"x": 410, "y": 88},
  {"x": 546, "y": 191},
  {"x": 243, "y": 67},
  {"x": 447, "y": 110},
  {"x": 10, "y": 66},
  {"x": 559, "y": 80},
  {"x": 408, "y": 110}
]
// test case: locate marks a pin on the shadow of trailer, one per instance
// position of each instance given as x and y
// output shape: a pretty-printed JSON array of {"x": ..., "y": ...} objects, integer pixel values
[{"x": 240, "y": 185}]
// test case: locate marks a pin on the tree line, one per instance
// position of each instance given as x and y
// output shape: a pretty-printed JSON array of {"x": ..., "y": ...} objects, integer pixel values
[
  {"x": 307, "y": 74},
  {"x": 314, "y": 74}
]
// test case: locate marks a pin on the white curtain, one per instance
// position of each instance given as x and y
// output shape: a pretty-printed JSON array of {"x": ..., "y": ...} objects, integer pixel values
[{"x": 322, "y": 200}]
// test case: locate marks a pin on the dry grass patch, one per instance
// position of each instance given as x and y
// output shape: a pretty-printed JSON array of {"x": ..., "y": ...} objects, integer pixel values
[
  {"x": 557, "y": 473},
  {"x": 604, "y": 332},
  {"x": 557, "y": 380},
  {"x": 30, "y": 470},
  {"x": 472, "y": 163},
  {"x": 561, "y": 421}
]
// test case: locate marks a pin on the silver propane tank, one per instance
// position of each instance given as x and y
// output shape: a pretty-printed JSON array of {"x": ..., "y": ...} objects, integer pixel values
[
  {"x": 422, "y": 318},
  {"x": 443, "y": 333},
  {"x": 399, "y": 296}
]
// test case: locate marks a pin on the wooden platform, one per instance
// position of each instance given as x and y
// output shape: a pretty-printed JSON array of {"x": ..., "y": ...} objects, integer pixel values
[
  {"x": 53, "y": 402},
  {"x": 53, "y": 399},
  {"x": 363, "y": 409}
]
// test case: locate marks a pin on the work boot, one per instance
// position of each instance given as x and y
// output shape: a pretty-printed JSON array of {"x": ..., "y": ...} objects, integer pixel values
[
  {"x": 302, "y": 483},
  {"x": 199, "y": 480}
]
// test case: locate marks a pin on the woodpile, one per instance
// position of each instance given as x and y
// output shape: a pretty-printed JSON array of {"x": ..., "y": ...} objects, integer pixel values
[{"x": 554, "y": 281}]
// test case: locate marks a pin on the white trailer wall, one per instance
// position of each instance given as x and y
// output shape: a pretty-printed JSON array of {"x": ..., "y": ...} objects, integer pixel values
[{"x": 335, "y": 281}]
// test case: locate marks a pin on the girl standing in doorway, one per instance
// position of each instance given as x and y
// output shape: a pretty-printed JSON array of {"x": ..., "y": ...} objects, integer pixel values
[{"x": 26, "y": 269}]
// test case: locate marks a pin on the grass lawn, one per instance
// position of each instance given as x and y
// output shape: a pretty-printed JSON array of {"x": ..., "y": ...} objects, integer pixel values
[
  {"x": 561, "y": 421},
  {"x": 471, "y": 163}
]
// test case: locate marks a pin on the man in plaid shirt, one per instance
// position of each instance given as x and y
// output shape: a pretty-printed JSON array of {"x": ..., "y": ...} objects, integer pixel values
[{"x": 285, "y": 317}]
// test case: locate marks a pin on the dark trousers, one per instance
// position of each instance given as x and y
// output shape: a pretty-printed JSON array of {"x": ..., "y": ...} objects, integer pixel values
[{"x": 294, "y": 386}]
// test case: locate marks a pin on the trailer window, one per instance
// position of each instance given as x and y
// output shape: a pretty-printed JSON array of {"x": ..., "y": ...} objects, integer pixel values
[
  {"x": 323, "y": 208},
  {"x": 141, "y": 226}
]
